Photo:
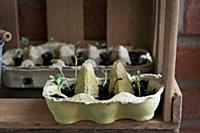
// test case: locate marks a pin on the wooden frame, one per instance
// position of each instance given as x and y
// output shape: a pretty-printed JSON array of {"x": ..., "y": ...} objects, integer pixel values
[
  {"x": 33, "y": 114},
  {"x": 9, "y": 21},
  {"x": 163, "y": 47},
  {"x": 169, "y": 60}
]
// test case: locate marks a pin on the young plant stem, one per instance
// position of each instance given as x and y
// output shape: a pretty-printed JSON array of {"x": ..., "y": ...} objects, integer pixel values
[
  {"x": 139, "y": 91},
  {"x": 76, "y": 64},
  {"x": 76, "y": 58},
  {"x": 106, "y": 77},
  {"x": 138, "y": 80},
  {"x": 61, "y": 72},
  {"x": 25, "y": 42},
  {"x": 59, "y": 90},
  {"x": 51, "y": 40}
]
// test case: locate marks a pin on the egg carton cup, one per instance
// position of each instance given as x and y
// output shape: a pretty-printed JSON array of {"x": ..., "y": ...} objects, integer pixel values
[
  {"x": 36, "y": 77},
  {"x": 123, "y": 105}
]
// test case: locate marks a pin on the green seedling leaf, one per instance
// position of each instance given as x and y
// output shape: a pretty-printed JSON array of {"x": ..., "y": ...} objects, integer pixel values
[
  {"x": 51, "y": 40},
  {"x": 24, "y": 40},
  {"x": 138, "y": 79},
  {"x": 58, "y": 79},
  {"x": 76, "y": 57},
  {"x": 54, "y": 61},
  {"x": 16, "y": 53}
]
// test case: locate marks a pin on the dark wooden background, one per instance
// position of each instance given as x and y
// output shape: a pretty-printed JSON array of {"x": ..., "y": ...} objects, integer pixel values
[{"x": 32, "y": 19}]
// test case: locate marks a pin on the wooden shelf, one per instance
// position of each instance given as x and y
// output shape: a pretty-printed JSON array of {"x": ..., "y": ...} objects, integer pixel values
[{"x": 33, "y": 114}]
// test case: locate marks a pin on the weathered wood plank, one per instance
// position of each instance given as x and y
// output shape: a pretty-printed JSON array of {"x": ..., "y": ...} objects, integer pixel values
[
  {"x": 9, "y": 21},
  {"x": 95, "y": 19},
  {"x": 34, "y": 114},
  {"x": 177, "y": 104},
  {"x": 87, "y": 131},
  {"x": 171, "y": 31},
  {"x": 65, "y": 20},
  {"x": 156, "y": 23},
  {"x": 32, "y": 20},
  {"x": 119, "y": 22},
  {"x": 130, "y": 22},
  {"x": 159, "y": 35}
]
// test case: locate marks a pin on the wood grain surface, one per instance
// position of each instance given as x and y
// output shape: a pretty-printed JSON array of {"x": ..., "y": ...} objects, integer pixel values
[
  {"x": 65, "y": 20},
  {"x": 19, "y": 114},
  {"x": 169, "y": 58},
  {"x": 9, "y": 21},
  {"x": 130, "y": 22}
]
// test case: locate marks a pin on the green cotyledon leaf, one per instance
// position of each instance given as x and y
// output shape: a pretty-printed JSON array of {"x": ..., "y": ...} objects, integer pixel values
[
  {"x": 16, "y": 53},
  {"x": 118, "y": 71},
  {"x": 87, "y": 81},
  {"x": 24, "y": 40}
]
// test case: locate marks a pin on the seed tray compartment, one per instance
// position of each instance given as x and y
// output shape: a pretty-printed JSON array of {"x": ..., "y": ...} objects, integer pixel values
[{"x": 123, "y": 105}]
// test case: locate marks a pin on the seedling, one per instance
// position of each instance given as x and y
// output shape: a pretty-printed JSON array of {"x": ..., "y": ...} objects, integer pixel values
[
  {"x": 77, "y": 57},
  {"x": 16, "y": 53},
  {"x": 137, "y": 82},
  {"x": 106, "y": 77},
  {"x": 54, "y": 61},
  {"x": 58, "y": 80},
  {"x": 47, "y": 58},
  {"x": 51, "y": 40},
  {"x": 103, "y": 90},
  {"x": 17, "y": 56},
  {"x": 24, "y": 40},
  {"x": 100, "y": 45}
]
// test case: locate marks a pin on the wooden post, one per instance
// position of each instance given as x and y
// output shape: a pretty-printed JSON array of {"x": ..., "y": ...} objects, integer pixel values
[
  {"x": 171, "y": 29},
  {"x": 159, "y": 35},
  {"x": 9, "y": 21},
  {"x": 177, "y": 104}
]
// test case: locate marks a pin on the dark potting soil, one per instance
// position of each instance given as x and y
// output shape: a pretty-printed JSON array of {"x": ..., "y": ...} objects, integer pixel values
[
  {"x": 47, "y": 58},
  {"x": 57, "y": 96},
  {"x": 103, "y": 92},
  {"x": 105, "y": 58},
  {"x": 69, "y": 92},
  {"x": 66, "y": 91},
  {"x": 135, "y": 58},
  {"x": 143, "y": 89},
  {"x": 18, "y": 61},
  {"x": 80, "y": 59}
]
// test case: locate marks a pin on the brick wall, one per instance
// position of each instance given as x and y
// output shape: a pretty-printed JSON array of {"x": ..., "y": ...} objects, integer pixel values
[{"x": 188, "y": 64}]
